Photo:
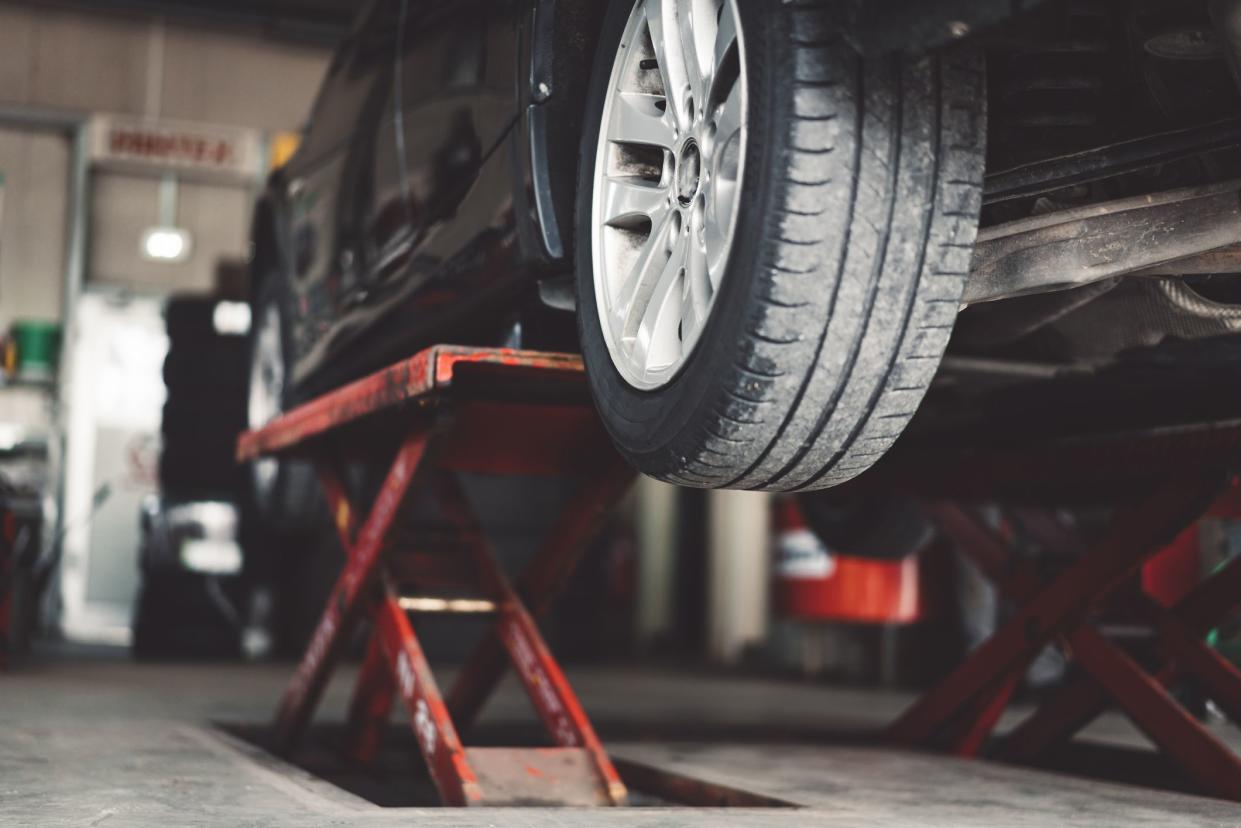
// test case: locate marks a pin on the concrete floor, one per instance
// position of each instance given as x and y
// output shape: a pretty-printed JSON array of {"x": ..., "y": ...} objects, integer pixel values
[{"x": 103, "y": 741}]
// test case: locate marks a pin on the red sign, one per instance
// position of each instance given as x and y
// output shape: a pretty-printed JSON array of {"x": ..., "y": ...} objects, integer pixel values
[
  {"x": 163, "y": 145},
  {"x": 170, "y": 146}
]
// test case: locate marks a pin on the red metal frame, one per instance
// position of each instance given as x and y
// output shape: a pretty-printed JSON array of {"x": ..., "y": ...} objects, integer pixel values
[
  {"x": 1079, "y": 702},
  {"x": 966, "y": 705},
  {"x": 520, "y": 413}
]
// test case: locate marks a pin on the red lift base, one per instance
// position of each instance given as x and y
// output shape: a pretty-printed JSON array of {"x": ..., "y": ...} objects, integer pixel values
[
  {"x": 959, "y": 713},
  {"x": 455, "y": 409}
]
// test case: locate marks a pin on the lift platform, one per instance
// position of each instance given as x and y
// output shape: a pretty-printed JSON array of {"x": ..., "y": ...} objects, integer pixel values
[
  {"x": 1156, "y": 483},
  {"x": 446, "y": 410}
]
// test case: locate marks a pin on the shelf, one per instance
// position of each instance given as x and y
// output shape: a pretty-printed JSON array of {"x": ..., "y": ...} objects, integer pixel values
[{"x": 48, "y": 384}]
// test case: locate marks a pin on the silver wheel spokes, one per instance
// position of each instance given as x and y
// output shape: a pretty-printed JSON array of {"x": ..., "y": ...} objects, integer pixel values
[{"x": 666, "y": 182}]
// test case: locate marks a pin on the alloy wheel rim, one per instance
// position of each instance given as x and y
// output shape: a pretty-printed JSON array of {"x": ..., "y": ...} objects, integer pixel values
[{"x": 667, "y": 176}]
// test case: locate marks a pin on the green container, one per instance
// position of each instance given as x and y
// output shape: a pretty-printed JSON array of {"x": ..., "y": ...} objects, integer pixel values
[{"x": 38, "y": 348}]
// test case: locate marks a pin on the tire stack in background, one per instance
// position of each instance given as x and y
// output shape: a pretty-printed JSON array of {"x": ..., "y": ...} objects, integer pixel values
[
  {"x": 183, "y": 610},
  {"x": 206, "y": 374}
]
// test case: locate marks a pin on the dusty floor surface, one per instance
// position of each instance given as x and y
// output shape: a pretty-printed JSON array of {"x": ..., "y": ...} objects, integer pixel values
[{"x": 94, "y": 741}]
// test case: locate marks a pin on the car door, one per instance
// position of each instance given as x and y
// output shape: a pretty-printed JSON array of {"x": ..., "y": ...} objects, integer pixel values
[
  {"x": 375, "y": 219},
  {"x": 344, "y": 197},
  {"x": 425, "y": 205},
  {"x": 457, "y": 98}
]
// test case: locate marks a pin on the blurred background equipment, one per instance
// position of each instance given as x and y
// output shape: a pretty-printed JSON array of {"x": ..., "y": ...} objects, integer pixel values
[
  {"x": 22, "y": 575},
  {"x": 29, "y": 470},
  {"x": 191, "y": 598},
  {"x": 115, "y": 393},
  {"x": 36, "y": 347},
  {"x": 855, "y": 588},
  {"x": 190, "y": 603}
]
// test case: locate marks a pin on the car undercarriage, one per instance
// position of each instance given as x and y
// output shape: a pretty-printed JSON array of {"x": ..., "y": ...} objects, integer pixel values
[{"x": 1103, "y": 289}]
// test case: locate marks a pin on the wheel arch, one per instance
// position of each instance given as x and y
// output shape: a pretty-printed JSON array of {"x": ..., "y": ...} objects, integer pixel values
[
  {"x": 563, "y": 40},
  {"x": 565, "y": 34}
]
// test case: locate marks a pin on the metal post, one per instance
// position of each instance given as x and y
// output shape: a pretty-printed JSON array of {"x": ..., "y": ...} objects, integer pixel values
[
  {"x": 739, "y": 536},
  {"x": 655, "y": 525}
]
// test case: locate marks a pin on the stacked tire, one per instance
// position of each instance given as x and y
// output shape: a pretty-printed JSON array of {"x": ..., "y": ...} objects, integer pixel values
[
  {"x": 206, "y": 375},
  {"x": 182, "y": 613}
]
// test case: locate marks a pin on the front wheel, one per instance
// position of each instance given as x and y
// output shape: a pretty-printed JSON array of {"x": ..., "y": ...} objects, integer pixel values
[
  {"x": 773, "y": 236},
  {"x": 282, "y": 491}
]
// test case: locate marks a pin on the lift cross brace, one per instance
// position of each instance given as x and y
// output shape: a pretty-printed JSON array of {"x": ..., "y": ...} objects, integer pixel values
[
  {"x": 961, "y": 711},
  {"x": 455, "y": 409}
]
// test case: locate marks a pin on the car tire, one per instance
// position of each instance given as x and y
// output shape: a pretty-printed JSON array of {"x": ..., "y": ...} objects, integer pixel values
[
  {"x": 284, "y": 497},
  {"x": 884, "y": 528},
  {"x": 191, "y": 318},
  {"x": 210, "y": 372},
  {"x": 859, "y": 206}
]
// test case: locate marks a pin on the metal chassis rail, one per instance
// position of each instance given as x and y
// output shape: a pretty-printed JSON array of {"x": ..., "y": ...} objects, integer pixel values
[{"x": 490, "y": 429}]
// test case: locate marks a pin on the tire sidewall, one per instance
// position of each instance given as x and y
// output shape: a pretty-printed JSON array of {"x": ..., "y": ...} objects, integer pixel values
[
  {"x": 646, "y": 425},
  {"x": 288, "y": 503}
]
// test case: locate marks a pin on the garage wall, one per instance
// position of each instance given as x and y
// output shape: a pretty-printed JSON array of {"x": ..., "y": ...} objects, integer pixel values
[
  {"x": 70, "y": 60},
  {"x": 32, "y": 223},
  {"x": 83, "y": 62},
  {"x": 123, "y": 206}
]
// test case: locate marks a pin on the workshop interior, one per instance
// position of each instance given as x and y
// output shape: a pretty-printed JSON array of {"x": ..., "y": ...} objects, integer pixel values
[{"x": 620, "y": 412}]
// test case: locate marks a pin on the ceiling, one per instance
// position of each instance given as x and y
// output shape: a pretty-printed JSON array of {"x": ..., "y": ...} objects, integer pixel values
[{"x": 320, "y": 22}]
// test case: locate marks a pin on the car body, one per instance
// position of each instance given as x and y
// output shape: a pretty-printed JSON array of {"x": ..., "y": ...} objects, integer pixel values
[
  {"x": 433, "y": 187},
  {"x": 365, "y": 228},
  {"x": 433, "y": 196}
]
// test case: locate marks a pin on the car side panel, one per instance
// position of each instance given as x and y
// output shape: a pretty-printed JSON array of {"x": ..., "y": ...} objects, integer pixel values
[
  {"x": 456, "y": 262},
  {"x": 333, "y": 208}
]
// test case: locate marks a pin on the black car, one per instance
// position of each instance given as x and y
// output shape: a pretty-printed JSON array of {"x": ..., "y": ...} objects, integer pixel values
[{"x": 763, "y": 212}]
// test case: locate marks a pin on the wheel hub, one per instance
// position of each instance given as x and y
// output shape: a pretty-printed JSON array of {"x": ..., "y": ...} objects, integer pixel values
[{"x": 689, "y": 172}]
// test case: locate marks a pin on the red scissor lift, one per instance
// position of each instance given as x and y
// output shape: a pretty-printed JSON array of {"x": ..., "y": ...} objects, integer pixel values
[
  {"x": 1166, "y": 480},
  {"x": 447, "y": 410},
  {"x": 521, "y": 413}
]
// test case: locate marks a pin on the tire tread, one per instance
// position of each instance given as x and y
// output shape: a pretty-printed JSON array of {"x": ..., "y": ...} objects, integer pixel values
[
  {"x": 864, "y": 186},
  {"x": 843, "y": 414}
]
